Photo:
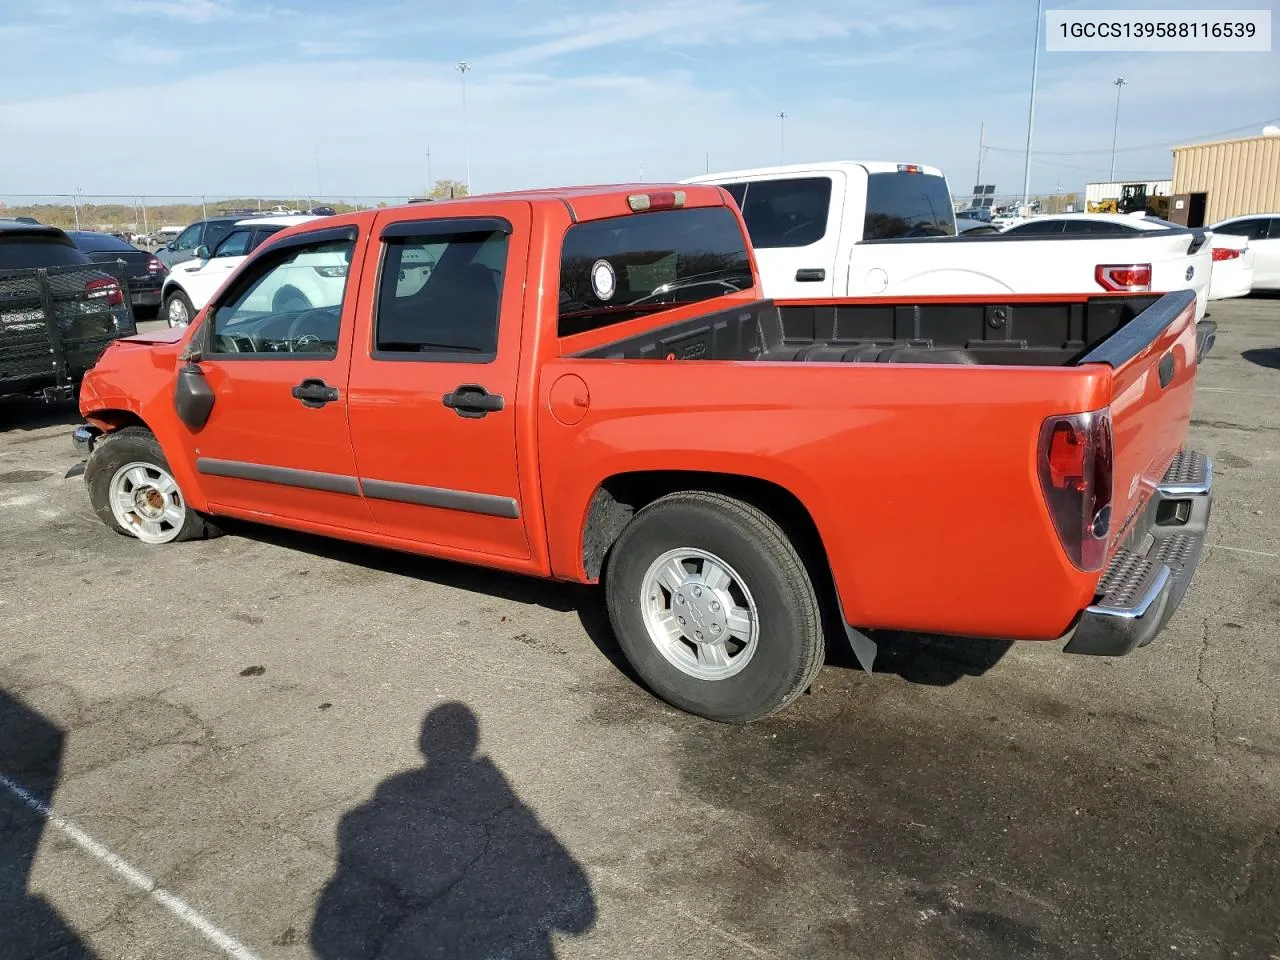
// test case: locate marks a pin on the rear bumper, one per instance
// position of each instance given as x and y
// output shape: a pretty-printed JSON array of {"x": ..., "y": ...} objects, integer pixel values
[
  {"x": 145, "y": 298},
  {"x": 1148, "y": 577}
]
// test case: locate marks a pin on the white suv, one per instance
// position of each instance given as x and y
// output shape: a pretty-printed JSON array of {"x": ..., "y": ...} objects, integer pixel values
[{"x": 192, "y": 284}]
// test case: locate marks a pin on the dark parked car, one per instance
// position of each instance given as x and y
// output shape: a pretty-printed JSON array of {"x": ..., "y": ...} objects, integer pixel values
[
  {"x": 146, "y": 273},
  {"x": 202, "y": 233},
  {"x": 58, "y": 311}
]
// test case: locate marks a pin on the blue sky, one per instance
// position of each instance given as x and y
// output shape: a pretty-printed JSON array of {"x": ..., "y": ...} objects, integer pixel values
[{"x": 235, "y": 97}]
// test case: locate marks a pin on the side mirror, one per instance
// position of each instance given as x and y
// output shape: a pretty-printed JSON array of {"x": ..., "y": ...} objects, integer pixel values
[
  {"x": 202, "y": 252},
  {"x": 171, "y": 245}
]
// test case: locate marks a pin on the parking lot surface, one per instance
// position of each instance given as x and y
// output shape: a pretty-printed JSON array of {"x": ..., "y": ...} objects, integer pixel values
[{"x": 276, "y": 746}]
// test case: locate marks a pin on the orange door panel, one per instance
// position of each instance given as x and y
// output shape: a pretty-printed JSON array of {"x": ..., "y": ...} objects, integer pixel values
[
  {"x": 276, "y": 442},
  {"x": 432, "y": 394}
]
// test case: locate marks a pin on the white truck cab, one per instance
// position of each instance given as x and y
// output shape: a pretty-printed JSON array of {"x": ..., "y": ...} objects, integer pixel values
[{"x": 850, "y": 228}]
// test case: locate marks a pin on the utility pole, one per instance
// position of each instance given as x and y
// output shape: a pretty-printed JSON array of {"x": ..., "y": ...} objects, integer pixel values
[
  {"x": 708, "y": 162},
  {"x": 462, "y": 68},
  {"x": 204, "y": 210},
  {"x": 782, "y": 136},
  {"x": 982, "y": 148},
  {"x": 146, "y": 229},
  {"x": 1031, "y": 110},
  {"x": 77, "y": 207},
  {"x": 1119, "y": 84}
]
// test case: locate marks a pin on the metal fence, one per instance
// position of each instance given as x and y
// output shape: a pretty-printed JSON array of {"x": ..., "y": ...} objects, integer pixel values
[
  {"x": 1039, "y": 203},
  {"x": 146, "y": 214}
]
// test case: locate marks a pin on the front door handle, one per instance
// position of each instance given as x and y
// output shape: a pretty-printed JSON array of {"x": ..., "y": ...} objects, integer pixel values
[
  {"x": 810, "y": 275},
  {"x": 314, "y": 393},
  {"x": 473, "y": 401}
]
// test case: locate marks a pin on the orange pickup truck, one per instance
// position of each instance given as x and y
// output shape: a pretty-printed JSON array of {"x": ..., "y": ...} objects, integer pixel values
[{"x": 585, "y": 384}]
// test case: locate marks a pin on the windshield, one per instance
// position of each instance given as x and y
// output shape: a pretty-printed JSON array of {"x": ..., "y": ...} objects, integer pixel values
[{"x": 617, "y": 269}]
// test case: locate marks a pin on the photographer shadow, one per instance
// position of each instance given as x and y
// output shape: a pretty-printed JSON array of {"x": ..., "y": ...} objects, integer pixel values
[{"x": 445, "y": 861}]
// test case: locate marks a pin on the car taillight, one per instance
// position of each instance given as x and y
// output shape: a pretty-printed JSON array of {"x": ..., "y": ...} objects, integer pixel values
[
  {"x": 155, "y": 266},
  {"x": 104, "y": 288},
  {"x": 1075, "y": 465},
  {"x": 1225, "y": 253},
  {"x": 1126, "y": 277}
]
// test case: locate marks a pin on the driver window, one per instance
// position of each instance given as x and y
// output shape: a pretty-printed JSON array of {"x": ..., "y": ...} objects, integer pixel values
[
  {"x": 290, "y": 302},
  {"x": 189, "y": 239},
  {"x": 235, "y": 245}
]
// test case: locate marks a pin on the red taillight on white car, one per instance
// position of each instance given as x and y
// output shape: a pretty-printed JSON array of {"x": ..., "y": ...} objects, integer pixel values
[
  {"x": 101, "y": 288},
  {"x": 1123, "y": 277},
  {"x": 1225, "y": 253},
  {"x": 1075, "y": 465}
]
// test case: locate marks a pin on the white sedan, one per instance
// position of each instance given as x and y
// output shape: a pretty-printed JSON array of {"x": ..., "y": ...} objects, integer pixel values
[
  {"x": 192, "y": 284},
  {"x": 1232, "y": 274},
  {"x": 1262, "y": 232}
]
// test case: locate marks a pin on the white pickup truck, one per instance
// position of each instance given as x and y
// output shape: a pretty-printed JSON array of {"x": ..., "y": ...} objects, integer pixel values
[{"x": 865, "y": 229}]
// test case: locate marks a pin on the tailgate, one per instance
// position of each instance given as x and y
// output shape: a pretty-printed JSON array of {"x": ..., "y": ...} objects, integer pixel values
[
  {"x": 1181, "y": 261},
  {"x": 31, "y": 348},
  {"x": 1153, "y": 362}
]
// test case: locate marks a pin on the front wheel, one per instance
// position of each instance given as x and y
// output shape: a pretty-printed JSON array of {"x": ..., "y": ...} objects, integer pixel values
[
  {"x": 178, "y": 311},
  {"x": 713, "y": 606},
  {"x": 134, "y": 493}
]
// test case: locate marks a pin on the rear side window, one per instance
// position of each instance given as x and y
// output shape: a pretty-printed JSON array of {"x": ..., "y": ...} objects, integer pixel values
[
  {"x": 261, "y": 234},
  {"x": 20, "y": 252},
  {"x": 625, "y": 267},
  {"x": 907, "y": 205},
  {"x": 439, "y": 295},
  {"x": 784, "y": 213},
  {"x": 1253, "y": 229}
]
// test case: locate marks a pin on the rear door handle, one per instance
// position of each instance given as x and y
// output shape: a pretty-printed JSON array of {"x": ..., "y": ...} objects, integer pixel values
[
  {"x": 473, "y": 401},
  {"x": 314, "y": 393},
  {"x": 810, "y": 275}
]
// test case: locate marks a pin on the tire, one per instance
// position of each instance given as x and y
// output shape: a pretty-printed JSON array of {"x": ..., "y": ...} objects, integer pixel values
[
  {"x": 768, "y": 578},
  {"x": 178, "y": 302},
  {"x": 130, "y": 463},
  {"x": 289, "y": 300}
]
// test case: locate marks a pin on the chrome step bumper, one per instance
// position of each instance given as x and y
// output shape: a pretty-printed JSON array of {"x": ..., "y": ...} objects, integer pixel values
[{"x": 1146, "y": 580}]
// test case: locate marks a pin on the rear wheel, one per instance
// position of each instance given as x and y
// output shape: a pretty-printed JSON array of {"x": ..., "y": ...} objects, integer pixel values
[
  {"x": 134, "y": 493},
  {"x": 178, "y": 311},
  {"x": 714, "y": 608}
]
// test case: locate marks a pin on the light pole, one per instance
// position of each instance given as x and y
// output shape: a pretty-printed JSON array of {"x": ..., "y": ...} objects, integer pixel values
[
  {"x": 462, "y": 68},
  {"x": 782, "y": 136},
  {"x": 1031, "y": 110},
  {"x": 77, "y": 205},
  {"x": 1119, "y": 82}
]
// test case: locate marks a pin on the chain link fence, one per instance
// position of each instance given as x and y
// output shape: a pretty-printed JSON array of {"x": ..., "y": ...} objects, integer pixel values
[{"x": 143, "y": 215}]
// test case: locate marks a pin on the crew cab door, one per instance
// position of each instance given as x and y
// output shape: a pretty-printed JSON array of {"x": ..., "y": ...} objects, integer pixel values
[
  {"x": 275, "y": 442},
  {"x": 432, "y": 396},
  {"x": 794, "y": 224}
]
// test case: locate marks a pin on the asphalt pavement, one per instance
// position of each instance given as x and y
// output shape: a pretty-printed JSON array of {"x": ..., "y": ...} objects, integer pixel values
[{"x": 277, "y": 746}]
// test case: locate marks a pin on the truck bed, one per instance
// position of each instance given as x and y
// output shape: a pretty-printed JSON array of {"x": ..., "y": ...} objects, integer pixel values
[{"x": 1033, "y": 331}]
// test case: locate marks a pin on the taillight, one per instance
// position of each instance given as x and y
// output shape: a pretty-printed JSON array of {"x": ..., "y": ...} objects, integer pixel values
[
  {"x": 659, "y": 200},
  {"x": 910, "y": 168},
  {"x": 104, "y": 288},
  {"x": 155, "y": 266},
  {"x": 1075, "y": 466},
  {"x": 1123, "y": 277},
  {"x": 1224, "y": 253}
]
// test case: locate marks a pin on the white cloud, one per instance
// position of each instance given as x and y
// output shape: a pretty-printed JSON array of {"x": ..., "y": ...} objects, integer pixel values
[{"x": 187, "y": 11}]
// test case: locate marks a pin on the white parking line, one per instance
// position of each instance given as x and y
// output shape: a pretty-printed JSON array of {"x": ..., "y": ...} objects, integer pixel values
[
  {"x": 1252, "y": 553},
  {"x": 132, "y": 875}
]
